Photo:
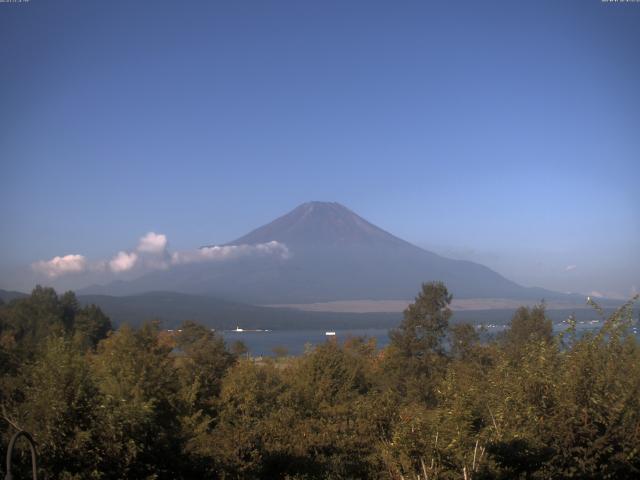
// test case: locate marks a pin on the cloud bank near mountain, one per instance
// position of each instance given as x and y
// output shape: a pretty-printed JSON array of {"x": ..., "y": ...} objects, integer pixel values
[
  {"x": 152, "y": 253},
  {"x": 226, "y": 252},
  {"x": 152, "y": 243},
  {"x": 61, "y": 265},
  {"x": 123, "y": 261}
]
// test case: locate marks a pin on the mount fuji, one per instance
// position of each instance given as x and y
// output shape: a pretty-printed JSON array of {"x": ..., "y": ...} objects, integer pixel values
[{"x": 333, "y": 254}]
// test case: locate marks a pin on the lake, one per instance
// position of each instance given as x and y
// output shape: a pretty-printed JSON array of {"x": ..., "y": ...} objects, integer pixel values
[{"x": 263, "y": 343}]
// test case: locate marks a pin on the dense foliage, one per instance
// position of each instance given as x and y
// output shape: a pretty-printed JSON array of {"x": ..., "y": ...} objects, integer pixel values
[{"x": 436, "y": 403}]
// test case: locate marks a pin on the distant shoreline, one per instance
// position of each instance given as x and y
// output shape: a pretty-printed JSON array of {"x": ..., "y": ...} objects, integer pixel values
[{"x": 396, "y": 306}]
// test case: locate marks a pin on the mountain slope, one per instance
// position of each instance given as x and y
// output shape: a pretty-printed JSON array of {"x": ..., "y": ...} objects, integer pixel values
[
  {"x": 321, "y": 225},
  {"x": 7, "y": 295},
  {"x": 334, "y": 255}
]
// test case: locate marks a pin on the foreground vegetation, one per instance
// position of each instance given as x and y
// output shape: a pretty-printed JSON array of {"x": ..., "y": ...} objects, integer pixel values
[{"x": 435, "y": 404}]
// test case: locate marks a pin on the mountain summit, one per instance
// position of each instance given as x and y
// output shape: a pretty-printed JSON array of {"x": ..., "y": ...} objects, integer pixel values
[
  {"x": 320, "y": 224},
  {"x": 334, "y": 254}
]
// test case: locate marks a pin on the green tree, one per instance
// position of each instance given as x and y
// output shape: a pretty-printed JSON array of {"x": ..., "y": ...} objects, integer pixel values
[
  {"x": 425, "y": 323},
  {"x": 69, "y": 305},
  {"x": 595, "y": 432},
  {"x": 528, "y": 325},
  {"x": 336, "y": 421},
  {"x": 239, "y": 348},
  {"x": 416, "y": 358},
  {"x": 250, "y": 421},
  {"x": 60, "y": 407},
  {"x": 202, "y": 363},
  {"x": 29, "y": 321},
  {"x": 90, "y": 325},
  {"x": 140, "y": 434},
  {"x": 464, "y": 341}
]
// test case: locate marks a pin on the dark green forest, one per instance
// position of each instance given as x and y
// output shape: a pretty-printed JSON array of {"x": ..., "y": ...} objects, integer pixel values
[{"x": 437, "y": 403}]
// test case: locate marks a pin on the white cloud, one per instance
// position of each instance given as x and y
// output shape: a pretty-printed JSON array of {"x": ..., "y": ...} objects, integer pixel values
[
  {"x": 568, "y": 268},
  {"x": 123, "y": 261},
  {"x": 61, "y": 265},
  {"x": 226, "y": 252},
  {"x": 152, "y": 243},
  {"x": 152, "y": 254}
]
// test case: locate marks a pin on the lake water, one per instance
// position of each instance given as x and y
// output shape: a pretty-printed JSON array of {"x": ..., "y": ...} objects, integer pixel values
[{"x": 263, "y": 343}]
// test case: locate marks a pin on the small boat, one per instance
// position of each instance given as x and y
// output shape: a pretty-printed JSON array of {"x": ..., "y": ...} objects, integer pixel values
[{"x": 245, "y": 330}]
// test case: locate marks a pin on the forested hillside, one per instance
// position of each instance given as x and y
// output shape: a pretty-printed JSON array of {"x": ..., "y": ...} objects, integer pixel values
[{"x": 436, "y": 403}]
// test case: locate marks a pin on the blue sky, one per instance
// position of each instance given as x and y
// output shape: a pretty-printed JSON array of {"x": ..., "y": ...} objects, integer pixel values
[{"x": 502, "y": 132}]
